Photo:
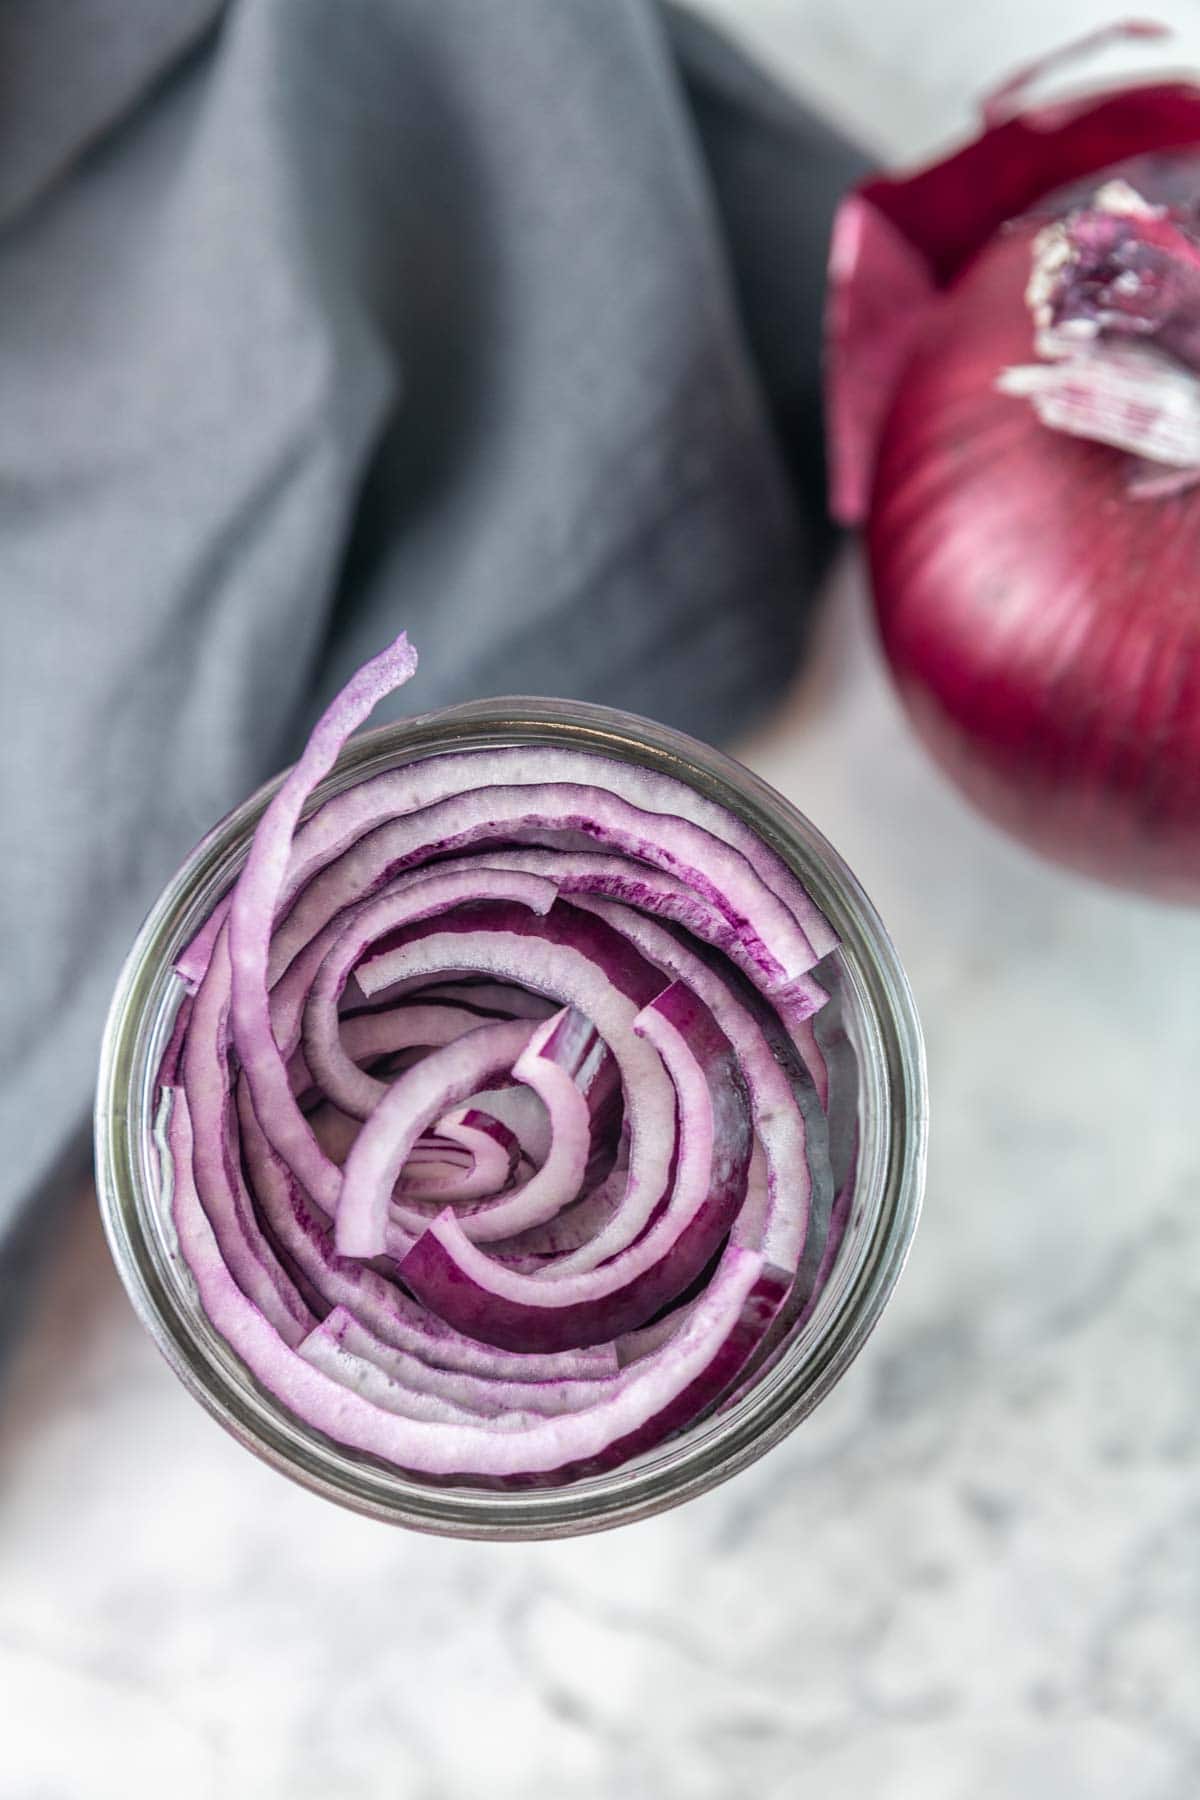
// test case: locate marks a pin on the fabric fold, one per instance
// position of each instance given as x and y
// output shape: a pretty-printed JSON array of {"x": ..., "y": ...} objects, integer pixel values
[{"x": 495, "y": 322}]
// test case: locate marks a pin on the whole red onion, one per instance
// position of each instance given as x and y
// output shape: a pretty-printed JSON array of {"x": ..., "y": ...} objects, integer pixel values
[{"x": 1038, "y": 591}]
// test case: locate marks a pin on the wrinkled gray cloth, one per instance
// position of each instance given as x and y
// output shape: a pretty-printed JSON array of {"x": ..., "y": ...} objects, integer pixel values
[{"x": 491, "y": 319}]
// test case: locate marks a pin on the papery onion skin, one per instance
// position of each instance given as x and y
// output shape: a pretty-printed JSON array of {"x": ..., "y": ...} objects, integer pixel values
[
  {"x": 900, "y": 241},
  {"x": 1043, "y": 628},
  {"x": 1041, "y": 619}
]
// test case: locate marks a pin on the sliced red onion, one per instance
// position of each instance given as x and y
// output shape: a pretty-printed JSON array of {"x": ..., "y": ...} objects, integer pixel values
[
  {"x": 554, "y": 1057},
  {"x": 770, "y": 936},
  {"x": 592, "y": 969},
  {"x": 285, "y": 1124},
  {"x": 193, "y": 963},
  {"x": 481, "y": 1393},
  {"x": 350, "y": 816},
  {"x": 560, "y": 1307},
  {"x": 387, "y": 1031},
  {"x": 520, "y": 1109},
  {"x": 498, "y": 997},
  {"x": 780, "y": 1222},
  {"x": 345, "y": 1083},
  {"x": 577, "y": 1225},
  {"x": 307, "y": 1241},
  {"x": 496, "y": 1109},
  {"x": 469, "y": 1156},
  {"x": 659, "y": 1394},
  {"x": 216, "y": 1167}
]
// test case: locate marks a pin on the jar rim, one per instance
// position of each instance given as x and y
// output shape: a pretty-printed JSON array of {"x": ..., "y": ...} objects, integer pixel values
[{"x": 140, "y": 1235}]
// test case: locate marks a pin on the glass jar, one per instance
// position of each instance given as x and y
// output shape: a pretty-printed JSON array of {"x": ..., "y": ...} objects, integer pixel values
[{"x": 877, "y": 1084}]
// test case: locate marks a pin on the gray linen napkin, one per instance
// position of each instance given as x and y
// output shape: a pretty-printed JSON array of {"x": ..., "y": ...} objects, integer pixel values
[{"x": 492, "y": 319}]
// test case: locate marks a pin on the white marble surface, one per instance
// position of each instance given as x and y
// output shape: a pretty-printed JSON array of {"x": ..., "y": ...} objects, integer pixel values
[{"x": 974, "y": 1574}]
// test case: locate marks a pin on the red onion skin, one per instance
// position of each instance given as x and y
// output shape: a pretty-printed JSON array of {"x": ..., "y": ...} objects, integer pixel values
[
  {"x": 1043, "y": 628},
  {"x": 900, "y": 241},
  {"x": 951, "y": 209}
]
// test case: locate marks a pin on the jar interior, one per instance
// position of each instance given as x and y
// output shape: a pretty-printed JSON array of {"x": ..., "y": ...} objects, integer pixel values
[{"x": 867, "y": 1032}]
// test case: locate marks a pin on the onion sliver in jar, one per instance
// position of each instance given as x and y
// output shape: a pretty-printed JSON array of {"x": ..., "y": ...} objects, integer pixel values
[{"x": 414, "y": 1325}]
